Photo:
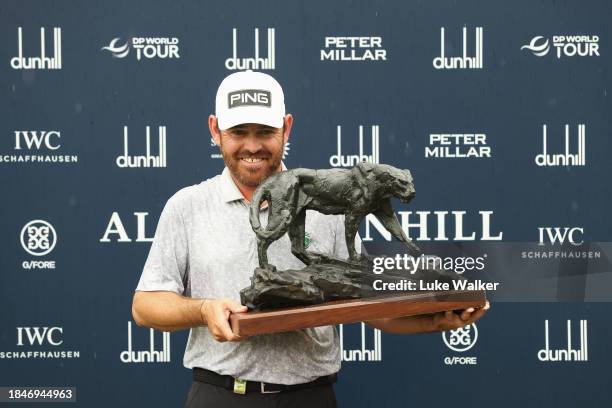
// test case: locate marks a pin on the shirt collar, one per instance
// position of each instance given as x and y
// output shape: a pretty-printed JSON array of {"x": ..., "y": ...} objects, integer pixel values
[{"x": 229, "y": 189}]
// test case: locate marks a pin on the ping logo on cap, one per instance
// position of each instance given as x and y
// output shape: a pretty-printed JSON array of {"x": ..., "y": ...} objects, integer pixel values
[{"x": 249, "y": 97}]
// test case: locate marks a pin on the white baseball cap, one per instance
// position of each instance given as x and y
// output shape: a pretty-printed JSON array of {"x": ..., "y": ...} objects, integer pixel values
[{"x": 250, "y": 97}]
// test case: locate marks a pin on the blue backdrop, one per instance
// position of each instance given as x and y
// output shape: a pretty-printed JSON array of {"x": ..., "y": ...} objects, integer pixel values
[{"x": 76, "y": 224}]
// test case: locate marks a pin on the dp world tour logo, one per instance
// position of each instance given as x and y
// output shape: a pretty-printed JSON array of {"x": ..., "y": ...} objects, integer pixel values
[
  {"x": 461, "y": 339},
  {"x": 539, "y": 46},
  {"x": 147, "y": 47},
  {"x": 38, "y": 237},
  {"x": 565, "y": 45},
  {"x": 118, "y": 51}
]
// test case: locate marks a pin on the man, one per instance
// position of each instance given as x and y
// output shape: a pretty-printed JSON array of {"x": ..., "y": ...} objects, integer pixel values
[{"x": 204, "y": 253}]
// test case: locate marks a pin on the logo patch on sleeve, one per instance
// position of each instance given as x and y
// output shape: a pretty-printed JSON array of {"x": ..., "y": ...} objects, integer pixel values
[{"x": 307, "y": 240}]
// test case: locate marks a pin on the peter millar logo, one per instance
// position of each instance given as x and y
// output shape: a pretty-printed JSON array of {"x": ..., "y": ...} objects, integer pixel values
[
  {"x": 145, "y": 47},
  {"x": 249, "y": 97},
  {"x": 147, "y": 356},
  {"x": 362, "y": 353},
  {"x": 147, "y": 160},
  {"x": 340, "y": 160},
  {"x": 353, "y": 49},
  {"x": 257, "y": 62},
  {"x": 567, "y": 353},
  {"x": 565, "y": 46},
  {"x": 37, "y": 142},
  {"x": 564, "y": 159},
  {"x": 457, "y": 146},
  {"x": 463, "y": 62},
  {"x": 461, "y": 340},
  {"x": 42, "y": 62}
]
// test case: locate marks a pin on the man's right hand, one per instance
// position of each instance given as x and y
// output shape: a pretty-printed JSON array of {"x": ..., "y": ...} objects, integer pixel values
[{"x": 216, "y": 313}]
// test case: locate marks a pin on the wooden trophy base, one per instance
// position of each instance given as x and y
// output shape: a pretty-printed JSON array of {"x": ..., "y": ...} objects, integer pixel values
[{"x": 354, "y": 310}]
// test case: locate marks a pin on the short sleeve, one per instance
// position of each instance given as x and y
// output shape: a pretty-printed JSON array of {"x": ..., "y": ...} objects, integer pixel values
[
  {"x": 340, "y": 249},
  {"x": 166, "y": 265}
]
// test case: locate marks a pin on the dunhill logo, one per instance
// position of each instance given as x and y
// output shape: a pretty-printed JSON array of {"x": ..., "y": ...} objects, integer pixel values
[
  {"x": 340, "y": 160},
  {"x": 568, "y": 354},
  {"x": 463, "y": 62},
  {"x": 148, "y": 160},
  {"x": 566, "y": 159},
  {"x": 148, "y": 356},
  {"x": 362, "y": 354},
  {"x": 256, "y": 63},
  {"x": 42, "y": 62}
]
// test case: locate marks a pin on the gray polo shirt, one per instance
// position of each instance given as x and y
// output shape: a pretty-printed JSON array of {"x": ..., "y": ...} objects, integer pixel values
[{"x": 204, "y": 247}]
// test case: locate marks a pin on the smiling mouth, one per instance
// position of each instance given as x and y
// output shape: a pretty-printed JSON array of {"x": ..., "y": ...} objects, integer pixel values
[{"x": 252, "y": 159}]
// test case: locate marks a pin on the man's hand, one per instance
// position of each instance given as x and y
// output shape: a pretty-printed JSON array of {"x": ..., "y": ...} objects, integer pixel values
[
  {"x": 450, "y": 320},
  {"x": 216, "y": 313}
]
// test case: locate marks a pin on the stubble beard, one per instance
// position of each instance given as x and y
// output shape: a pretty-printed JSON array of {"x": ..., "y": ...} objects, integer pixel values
[{"x": 250, "y": 177}]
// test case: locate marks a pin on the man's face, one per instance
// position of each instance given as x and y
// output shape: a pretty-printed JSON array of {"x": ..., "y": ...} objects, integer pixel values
[{"x": 252, "y": 152}]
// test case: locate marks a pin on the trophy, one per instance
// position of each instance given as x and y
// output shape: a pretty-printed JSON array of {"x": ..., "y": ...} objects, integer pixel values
[{"x": 331, "y": 290}]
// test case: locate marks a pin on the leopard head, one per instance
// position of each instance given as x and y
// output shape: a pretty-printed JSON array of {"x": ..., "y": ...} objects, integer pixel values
[{"x": 398, "y": 182}]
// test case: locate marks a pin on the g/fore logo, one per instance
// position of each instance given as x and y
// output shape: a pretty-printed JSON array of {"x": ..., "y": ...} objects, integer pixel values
[
  {"x": 461, "y": 340},
  {"x": 42, "y": 62},
  {"x": 38, "y": 238},
  {"x": 257, "y": 62},
  {"x": 565, "y": 45},
  {"x": 249, "y": 97},
  {"x": 147, "y": 47},
  {"x": 463, "y": 62},
  {"x": 35, "y": 141},
  {"x": 39, "y": 337},
  {"x": 340, "y": 160},
  {"x": 353, "y": 49}
]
